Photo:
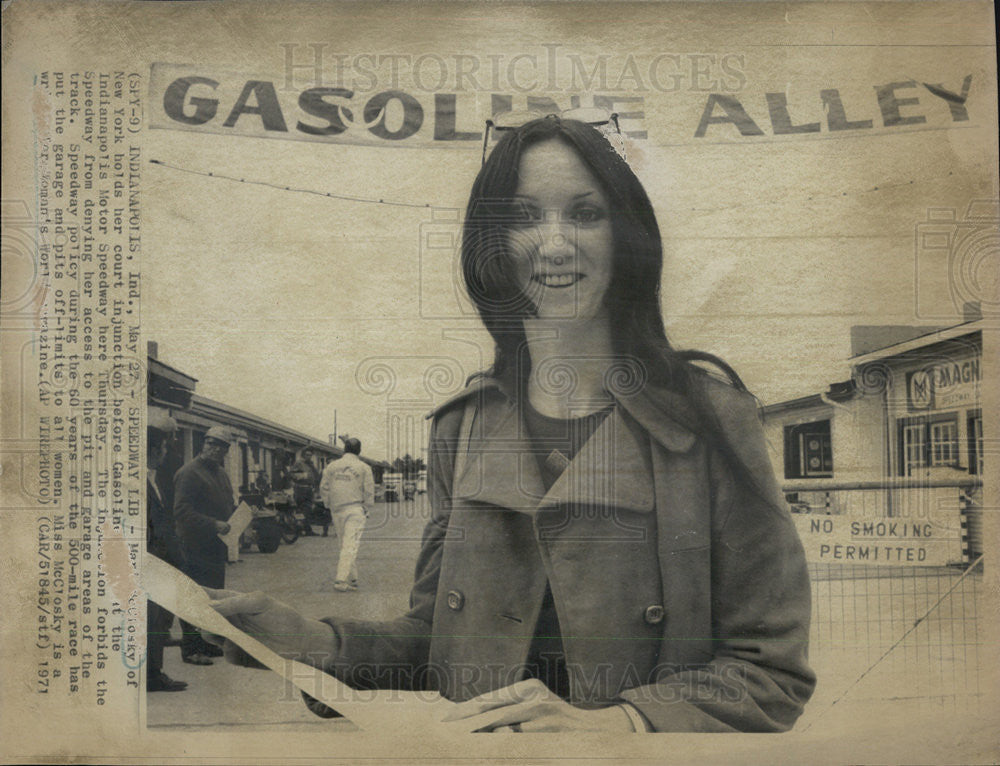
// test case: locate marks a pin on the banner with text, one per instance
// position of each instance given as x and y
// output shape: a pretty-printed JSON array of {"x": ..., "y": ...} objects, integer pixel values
[{"x": 436, "y": 102}]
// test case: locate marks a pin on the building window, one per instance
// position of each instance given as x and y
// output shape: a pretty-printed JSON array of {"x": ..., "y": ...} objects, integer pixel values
[
  {"x": 928, "y": 441},
  {"x": 975, "y": 424},
  {"x": 914, "y": 449},
  {"x": 808, "y": 451},
  {"x": 944, "y": 443}
]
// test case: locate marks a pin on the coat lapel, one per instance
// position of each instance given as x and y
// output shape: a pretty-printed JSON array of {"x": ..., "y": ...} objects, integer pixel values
[
  {"x": 666, "y": 416},
  {"x": 499, "y": 467},
  {"x": 612, "y": 469}
]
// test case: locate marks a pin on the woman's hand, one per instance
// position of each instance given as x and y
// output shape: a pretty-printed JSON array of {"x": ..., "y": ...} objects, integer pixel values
[
  {"x": 531, "y": 706},
  {"x": 274, "y": 624}
]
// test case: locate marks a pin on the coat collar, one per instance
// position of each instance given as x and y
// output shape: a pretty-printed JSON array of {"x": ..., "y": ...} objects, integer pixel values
[{"x": 612, "y": 469}]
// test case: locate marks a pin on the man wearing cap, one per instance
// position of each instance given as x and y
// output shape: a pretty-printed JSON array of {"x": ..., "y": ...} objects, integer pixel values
[
  {"x": 162, "y": 542},
  {"x": 348, "y": 490},
  {"x": 203, "y": 503}
]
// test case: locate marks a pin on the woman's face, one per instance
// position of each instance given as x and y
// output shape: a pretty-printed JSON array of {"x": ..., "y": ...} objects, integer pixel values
[{"x": 563, "y": 248}]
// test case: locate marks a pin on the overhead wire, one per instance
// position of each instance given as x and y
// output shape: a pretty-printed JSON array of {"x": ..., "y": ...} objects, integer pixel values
[
  {"x": 426, "y": 205},
  {"x": 280, "y": 187}
]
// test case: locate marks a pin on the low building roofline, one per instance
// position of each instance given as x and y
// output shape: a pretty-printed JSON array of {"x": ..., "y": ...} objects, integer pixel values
[
  {"x": 927, "y": 339},
  {"x": 837, "y": 392},
  {"x": 171, "y": 373}
]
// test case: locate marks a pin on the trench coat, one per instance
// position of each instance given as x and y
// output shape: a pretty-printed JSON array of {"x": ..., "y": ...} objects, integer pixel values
[{"x": 679, "y": 588}]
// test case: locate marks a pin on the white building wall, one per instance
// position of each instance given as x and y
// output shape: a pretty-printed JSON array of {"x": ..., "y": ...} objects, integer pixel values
[
  {"x": 773, "y": 433},
  {"x": 858, "y": 436}
]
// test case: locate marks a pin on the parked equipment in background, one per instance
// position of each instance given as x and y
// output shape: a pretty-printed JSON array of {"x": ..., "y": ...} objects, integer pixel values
[
  {"x": 409, "y": 489},
  {"x": 392, "y": 487},
  {"x": 318, "y": 514},
  {"x": 290, "y": 518},
  {"x": 264, "y": 530}
]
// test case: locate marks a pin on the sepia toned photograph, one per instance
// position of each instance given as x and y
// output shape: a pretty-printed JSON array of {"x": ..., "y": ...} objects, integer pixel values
[{"x": 381, "y": 377}]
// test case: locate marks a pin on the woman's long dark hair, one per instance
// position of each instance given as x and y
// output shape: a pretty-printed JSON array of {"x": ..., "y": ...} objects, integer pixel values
[{"x": 633, "y": 296}]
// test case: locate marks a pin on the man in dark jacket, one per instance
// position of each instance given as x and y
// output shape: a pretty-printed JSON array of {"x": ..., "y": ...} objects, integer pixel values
[
  {"x": 305, "y": 480},
  {"x": 203, "y": 503},
  {"x": 161, "y": 541}
]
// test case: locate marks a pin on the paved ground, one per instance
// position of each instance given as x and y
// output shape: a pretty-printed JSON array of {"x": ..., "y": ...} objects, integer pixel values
[
  {"x": 302, "y": 575},
  {"x": 876, "y": 639}
]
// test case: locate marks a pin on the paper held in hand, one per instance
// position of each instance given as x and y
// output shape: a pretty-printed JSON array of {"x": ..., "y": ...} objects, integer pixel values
[
  {"x": 375, "y": 710},
  {"x": 238, "y": 522}
]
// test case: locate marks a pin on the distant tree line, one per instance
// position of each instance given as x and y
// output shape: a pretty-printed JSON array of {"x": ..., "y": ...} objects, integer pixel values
[{"x": 408, "y": 465}]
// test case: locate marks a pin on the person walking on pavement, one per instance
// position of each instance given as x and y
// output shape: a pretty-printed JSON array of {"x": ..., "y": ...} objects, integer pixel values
[
  {"x": 162, "y": 542},
  {"x": 203, "y": 503},
  {"x": 348, "y": 490}
]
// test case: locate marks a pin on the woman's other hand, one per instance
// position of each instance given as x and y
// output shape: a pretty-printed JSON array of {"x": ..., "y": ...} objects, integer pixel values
[
  {"x": 276, "y": 625},
  {"x": 531, "y": 706}
]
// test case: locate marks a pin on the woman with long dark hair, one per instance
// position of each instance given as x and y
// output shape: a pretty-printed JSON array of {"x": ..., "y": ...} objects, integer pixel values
[{"x": 609, "y": 549}]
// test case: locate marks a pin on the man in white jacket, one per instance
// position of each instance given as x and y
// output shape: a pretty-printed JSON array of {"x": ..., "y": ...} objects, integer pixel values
[{"x": 348, "y": 490}]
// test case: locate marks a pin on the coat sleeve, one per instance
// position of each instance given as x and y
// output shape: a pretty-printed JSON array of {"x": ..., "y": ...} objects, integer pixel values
[
  {"x": 394, "y": 654},
  {"x": 758, "y": 679},
  {"x": 188, "y": 497},
  {"x": 324, "y": 486},
  {"x": 369, "y": 487}
]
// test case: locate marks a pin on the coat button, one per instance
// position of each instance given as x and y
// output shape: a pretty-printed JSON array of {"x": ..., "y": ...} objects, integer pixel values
[
  {"x": 455, "y": 600},
  {"x": 654, "y": 614}
]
